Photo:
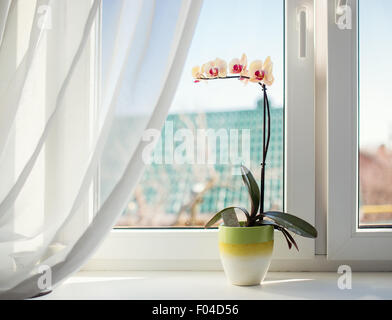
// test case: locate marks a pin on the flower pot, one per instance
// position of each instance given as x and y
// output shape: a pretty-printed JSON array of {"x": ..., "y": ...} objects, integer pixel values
[{"x": 246, "y": 253}]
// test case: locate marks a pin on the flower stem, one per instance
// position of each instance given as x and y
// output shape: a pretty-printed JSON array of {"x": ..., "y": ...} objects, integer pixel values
[
  {"x": 223, "y": 78},
  {"x": 266, "y": 141}
]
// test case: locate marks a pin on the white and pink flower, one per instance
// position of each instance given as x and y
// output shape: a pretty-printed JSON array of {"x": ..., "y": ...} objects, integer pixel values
[
  {"x": 238, "y": 66},
  {"x": 261, "y": 72},
  {"x": 215, "y": 69},
  {"x": 258, "y": 71},
  {"x": 196, "y": 73}
]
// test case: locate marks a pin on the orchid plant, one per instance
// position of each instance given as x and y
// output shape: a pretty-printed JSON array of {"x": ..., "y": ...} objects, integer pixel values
[{"x": 262, "y": 74}]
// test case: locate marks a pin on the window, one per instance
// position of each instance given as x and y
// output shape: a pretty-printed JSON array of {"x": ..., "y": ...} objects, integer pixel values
[
  {"x": 219, "y": 124},
  {"x": 274, "y": 31},
  {"x": 357, "y": 199},
  {"x": 375, "y": 114}
]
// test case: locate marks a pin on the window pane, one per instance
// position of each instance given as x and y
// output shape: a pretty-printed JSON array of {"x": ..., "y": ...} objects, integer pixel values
[
  {"x": 375, "y": 98},
  {"x": 176, "y": 194}
]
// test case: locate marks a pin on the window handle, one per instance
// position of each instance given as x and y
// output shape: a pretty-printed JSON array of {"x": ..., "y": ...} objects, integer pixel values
[{"x": 302, "y": 27}]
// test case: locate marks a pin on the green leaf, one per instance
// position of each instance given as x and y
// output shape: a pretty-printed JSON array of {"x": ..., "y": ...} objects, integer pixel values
[
  {"x": 218, "y": 216},
  {"x": 266, "y": 223},
  {"x": 292, "y": 223},
  {"x": 253, "y": 189}
]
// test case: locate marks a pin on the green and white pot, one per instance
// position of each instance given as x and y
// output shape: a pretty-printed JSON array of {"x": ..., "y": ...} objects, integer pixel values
[{"x": 246, "y": 253}]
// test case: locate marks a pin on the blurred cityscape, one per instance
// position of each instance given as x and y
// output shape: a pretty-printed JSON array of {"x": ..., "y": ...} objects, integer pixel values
[
  {"x": 178, "y": 195},
  {"x": 187, "y": 195},
  {"x": 375, "y": 181}
]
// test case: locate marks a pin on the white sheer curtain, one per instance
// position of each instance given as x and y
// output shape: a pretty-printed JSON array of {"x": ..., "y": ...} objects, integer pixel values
[{"x": 56, "y": 111}]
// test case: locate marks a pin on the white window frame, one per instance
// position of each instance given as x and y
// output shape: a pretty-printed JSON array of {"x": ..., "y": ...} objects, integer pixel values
[
  {"x": 345, "y": 239},
  {"x": 197, "y": 249}
]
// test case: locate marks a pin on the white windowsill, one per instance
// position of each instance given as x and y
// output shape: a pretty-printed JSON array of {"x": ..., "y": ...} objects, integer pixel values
[{"x": 212, "y": 285}]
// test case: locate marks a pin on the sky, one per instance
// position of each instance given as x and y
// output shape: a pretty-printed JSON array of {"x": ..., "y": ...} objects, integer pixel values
[
  {"x": 375, "y": 72},
  {"x": 228, "y": 28}
]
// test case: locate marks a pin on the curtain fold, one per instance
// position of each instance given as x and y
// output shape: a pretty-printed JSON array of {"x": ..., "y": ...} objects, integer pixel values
[
  {"x": 51, "y": 148},
  {"x": 4, "y": 10},
  {"x": 13, "y": 193}
]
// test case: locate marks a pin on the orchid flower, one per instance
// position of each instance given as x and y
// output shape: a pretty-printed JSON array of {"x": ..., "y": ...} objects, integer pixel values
[
  {"x": 238, "y": 66},
  {"x": 215, "y": 69},
  {"x": 210, "y": 70},
  {"x": 196, "y": 73},
  {"x": 259, "y": 72},
  {"x": 256, "y": 72}
]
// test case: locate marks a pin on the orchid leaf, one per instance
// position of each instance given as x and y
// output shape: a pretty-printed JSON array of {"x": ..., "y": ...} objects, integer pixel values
[
  {"x": 286, "y": 237},
  {"x": 266, "y": 223},
  {"x": 253, "y": 189},
  {"x": 290, "y": 240},
  {"x": 218, "y": 216},
  {"x": 292, "y": 223}
]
